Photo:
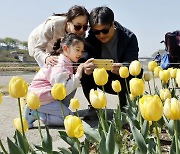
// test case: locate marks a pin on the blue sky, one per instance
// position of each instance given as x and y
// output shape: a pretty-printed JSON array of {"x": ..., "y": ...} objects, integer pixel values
[{"x": 149, "y": 20}]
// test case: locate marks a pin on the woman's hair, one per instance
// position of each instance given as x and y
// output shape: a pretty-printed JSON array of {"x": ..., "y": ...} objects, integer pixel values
[
  {"x": 74, "y": 12},
  {"x": 101, "y": 15},
  {"x": 69, "y": 39}
]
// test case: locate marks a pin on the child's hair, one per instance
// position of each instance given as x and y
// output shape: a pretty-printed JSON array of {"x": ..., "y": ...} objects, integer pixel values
[{"x": 69, "y": 39}]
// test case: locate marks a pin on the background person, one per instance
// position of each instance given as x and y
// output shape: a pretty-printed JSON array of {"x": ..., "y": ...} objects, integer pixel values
[
  {"x": 70, "y": 51},
  {"x": 107, "y": 39},
  {"x": 42, "y": 38}
]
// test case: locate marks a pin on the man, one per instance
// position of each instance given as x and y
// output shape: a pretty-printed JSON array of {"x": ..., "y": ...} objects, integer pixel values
[{"x": 107, "y": 39}]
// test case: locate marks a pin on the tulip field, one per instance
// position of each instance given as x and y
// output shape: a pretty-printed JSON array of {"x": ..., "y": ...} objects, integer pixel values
[{"x": 149, "y": 121}]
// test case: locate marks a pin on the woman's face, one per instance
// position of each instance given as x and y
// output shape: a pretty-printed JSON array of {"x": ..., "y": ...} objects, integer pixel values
[
  {"x": 104, "y": 33},
  {"x": 78, "y": 25}
]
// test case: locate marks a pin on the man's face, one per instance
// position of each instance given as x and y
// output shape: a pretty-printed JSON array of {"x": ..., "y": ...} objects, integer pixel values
[{"x": 104, "y": 33}]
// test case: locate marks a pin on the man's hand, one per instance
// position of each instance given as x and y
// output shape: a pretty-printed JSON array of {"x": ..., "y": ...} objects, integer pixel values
[
  {"x": 51, "y": 60},
  {"x": 89, "y": 66},
  {"x": 115, "y": 68}
]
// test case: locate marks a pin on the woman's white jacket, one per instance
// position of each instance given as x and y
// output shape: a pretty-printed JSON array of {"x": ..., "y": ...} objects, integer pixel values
[{"x": 43, "y": 37}]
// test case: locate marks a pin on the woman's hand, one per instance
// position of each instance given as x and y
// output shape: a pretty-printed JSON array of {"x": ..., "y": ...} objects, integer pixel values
[
  {"x": 89, "y": 66},
  {"x": 51, "y": 60},
  {"x": 115, "y": 68}
]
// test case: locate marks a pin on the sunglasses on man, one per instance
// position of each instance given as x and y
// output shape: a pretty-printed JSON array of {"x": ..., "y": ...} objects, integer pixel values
[
  {"x": 79, "y": 27},
  {"x": 104, "y": 31}
]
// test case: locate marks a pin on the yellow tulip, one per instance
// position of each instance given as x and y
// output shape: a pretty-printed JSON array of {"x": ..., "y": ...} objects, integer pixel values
[
  {"x": 100, "y": 76},
  {"x": 147, "y": 77},
  {"x": 33, "y": 101},
  {"x": 151, "y": 107},
  {"x": 116, "y": 86},
  {"x": 17, "y": 124},
  {"x": 98, "y": 99},
  {"x": 0, "y": 97},
  {"x": 158, "y": 128},
  {"x": 17, "y": 87},
  {"x": 137, "y": 86},
  {"x": 164, "y": 94},
  {"x": 73, "y": 126},
  {"x": 164, "y": 75},
  {"x": 58, "y": 91},
  {"x": 157, "y": 70},
  {"x": 172, "y": 109},
  {"x": 178, "y": 77},
  {"x": 123, "y": 72},
  {"x": 135, "y": 68},
  {"x": 131, "y": 96},
  {"x": 74, "y": 104},
  {"x": 173, "y": 73},
  {"x": 152, "y": 65},
  {"x": 150, "y": 123}
]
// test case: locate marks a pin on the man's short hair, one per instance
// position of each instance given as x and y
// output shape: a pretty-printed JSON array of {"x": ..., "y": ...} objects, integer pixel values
[{"x": 101, "y": 15}]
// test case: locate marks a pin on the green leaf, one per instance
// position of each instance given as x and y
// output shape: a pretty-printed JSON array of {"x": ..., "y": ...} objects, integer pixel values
[
  {"x": 40, "y": 148},
  {"x": 2, "y": 147},
  {"x": 133, "y": 119},
  {"x": 142, "y": 148},
  {"x": 173, "y": 147},
  {"x": 102, "y": 145},
  {"x": 151, "y": 145},
  {"x": 47, "y": 141},
  {"x": 75, "y": 149},
  {"x": 170, "y": 125},
  {"x": 55, "y": 152},
  {"x": 85, "y": 149},
  {"x": 22, "y": 142},
  {"x": 110, "y": 140},
  {"x": 91, "y": 132},
  {"x": 13, "y": 148},
  {"x": 145, "y": 129},
  {"x": 65, "y": 150},
  {"x": 65, "y": 137}
]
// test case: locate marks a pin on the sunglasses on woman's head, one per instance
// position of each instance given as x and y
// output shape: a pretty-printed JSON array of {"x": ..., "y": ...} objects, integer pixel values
[
  {"x": 79, "y": 27},
  {"x": 104, "y": 31}
]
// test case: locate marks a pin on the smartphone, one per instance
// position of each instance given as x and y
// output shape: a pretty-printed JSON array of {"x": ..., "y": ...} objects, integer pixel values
[{"x": 106, "y": 63}]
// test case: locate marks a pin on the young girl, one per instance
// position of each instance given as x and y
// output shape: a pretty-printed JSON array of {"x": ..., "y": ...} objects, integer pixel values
[{"x": 70, "y": 51}]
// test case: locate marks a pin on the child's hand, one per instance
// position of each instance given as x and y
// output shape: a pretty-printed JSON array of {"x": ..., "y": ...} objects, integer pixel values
[{"x": 80, "y": 70}]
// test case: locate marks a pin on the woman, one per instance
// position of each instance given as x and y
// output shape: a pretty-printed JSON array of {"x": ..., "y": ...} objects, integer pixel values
[{"x": 42, "y": 38}]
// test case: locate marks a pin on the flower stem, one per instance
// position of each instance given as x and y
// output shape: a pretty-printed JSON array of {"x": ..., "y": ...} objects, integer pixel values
[
  {"x": 153, "y": 81},
  {"x": 176, "y": 135},
  {"x": 149, "y": 87},
  {"x": 119, "y": 102},
  {"x": 105, "y": 107},
  {"x": 62, "y": 110},
  {"x": 20, "y": 113},
  {"x": 102, "y": 122},
  {"x": 127, "y": 86},
  {"x": 158, "y": 140},
  {"x": 77, "y": 113},
  {"x": 39, "y": 126}
]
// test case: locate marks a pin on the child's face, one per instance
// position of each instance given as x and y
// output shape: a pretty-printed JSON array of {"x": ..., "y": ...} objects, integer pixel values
[{"x": 74, "y": 53}]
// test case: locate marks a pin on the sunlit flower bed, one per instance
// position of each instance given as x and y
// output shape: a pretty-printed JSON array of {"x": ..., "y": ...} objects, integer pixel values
[{"x": 146, "y": 114}]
